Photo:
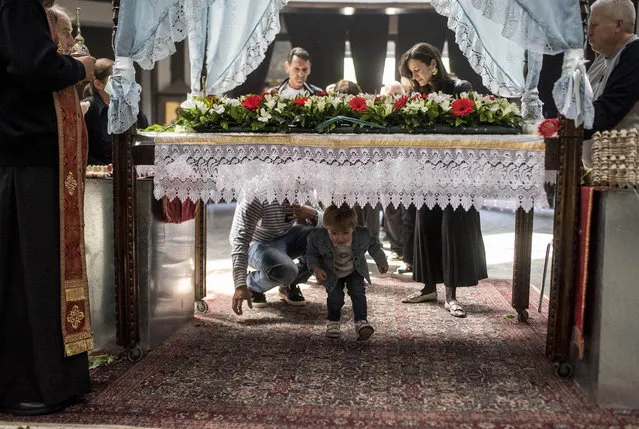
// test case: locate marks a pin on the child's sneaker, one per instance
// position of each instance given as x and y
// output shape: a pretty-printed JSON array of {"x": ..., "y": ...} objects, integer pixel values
[
  {"x": 364, "y": 330},
  {"x": 333, "y": 330}
]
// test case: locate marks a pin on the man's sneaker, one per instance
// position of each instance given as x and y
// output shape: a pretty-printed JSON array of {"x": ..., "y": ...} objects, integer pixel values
[
  {"x": 333, "y": 330},
  {"x": 364, "y": 330},
  {"x": 258, "y": 300},
  {"x": 292, "y": 295}
]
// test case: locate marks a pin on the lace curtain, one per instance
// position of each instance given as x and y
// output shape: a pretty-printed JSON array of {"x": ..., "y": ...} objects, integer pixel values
[
  {"x": 494, "y": 34},
  {"x": 506, "y": 171},
  {"x": 239, "y": 33}
]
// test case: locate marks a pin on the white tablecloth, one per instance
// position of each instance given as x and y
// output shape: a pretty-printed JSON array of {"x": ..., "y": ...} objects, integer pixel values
[{"x": 466, "y": 170}]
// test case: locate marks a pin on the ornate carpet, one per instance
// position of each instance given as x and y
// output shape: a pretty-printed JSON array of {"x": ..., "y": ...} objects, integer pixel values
[{"x": 274, "y": 368}]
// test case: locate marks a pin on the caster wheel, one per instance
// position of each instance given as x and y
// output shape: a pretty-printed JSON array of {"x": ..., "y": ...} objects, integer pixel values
[
  {"x": 134, "y": 354},
  {"x": 522, "y": 316},
  {"x": 563, "y": 369},
  {"x": 202, "y": 306}
]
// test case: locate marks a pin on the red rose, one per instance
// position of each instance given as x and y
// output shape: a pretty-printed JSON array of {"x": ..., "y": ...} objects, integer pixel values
[
  {"x": 424, "y": 96},
  {"x": 322, "y": 94},
  {"x": 549, "y": 127},
  {"x": 358, "y": 104},
  {"x": 252, "y": 102},
  {"x": 401, "y": 102},
  {"x": 462, "y": 107},
  {"x": 299, "y": 101}
]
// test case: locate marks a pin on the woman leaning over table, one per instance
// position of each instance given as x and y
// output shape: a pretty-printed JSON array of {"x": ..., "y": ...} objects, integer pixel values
[{"x": 449, "y": 247}]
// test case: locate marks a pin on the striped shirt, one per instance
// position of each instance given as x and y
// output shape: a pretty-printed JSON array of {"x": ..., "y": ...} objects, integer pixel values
[{"x": 256, "y": 221}]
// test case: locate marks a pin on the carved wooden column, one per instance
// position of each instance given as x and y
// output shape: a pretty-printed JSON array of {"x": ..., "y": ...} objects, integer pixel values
[
  {"x": 200, "y": 257},
  {"x": 521, "y": 265},
  {"x": 565, "y": 240},
  {"x": 125, "y": 234}
]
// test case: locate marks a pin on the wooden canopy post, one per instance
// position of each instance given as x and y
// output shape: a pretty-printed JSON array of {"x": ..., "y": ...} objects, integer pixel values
[
  {"x": 125, "y": 234},
  {"x": 565, "y": 238}
]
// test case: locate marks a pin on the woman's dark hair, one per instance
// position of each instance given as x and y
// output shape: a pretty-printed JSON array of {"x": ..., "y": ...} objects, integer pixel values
[
  {"x": 347, "y": 87},
  {"x": 425, "y": 53},
  {"x": 103, "y": 69}
]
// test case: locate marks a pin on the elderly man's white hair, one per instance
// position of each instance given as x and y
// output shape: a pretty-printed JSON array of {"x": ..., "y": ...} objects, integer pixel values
[
  {"x": 58, "y": 12},
  {"x": 622, "y": 10}
]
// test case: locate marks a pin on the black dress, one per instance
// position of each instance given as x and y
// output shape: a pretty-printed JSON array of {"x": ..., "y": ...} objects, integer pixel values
[{"x": 449, "y": 247}]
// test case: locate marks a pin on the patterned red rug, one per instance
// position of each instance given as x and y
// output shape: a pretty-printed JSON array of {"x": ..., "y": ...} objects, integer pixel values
[{"x": 274, "y": 368}]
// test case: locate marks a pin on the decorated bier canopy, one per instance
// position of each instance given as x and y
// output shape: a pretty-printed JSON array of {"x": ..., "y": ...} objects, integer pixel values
[{"x": 229, "y": 38}]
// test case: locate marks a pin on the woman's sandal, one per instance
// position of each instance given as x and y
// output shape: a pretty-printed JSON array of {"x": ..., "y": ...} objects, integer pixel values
[{"x": 455, "y": 308}]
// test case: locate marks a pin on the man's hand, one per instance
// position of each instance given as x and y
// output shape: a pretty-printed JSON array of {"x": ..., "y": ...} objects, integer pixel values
[
  {"x": 320, "y": 274},
  {"x": 89, "y": 67},
  {"x": 241, "y": 293},
  {"x": 383, "y": 268},
  {"x": 301, "y": 213}
]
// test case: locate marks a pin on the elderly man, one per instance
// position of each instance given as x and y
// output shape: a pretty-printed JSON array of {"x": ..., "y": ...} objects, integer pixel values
[
  {"x": 614, "y": 74},
  {"x": 298, "y": 68}
]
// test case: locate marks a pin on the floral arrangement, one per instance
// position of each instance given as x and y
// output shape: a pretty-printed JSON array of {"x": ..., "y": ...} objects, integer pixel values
[{"x": 323, "y": 112}]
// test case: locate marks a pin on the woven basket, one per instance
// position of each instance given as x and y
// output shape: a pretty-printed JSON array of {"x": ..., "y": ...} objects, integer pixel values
[{"x": 614, "y": 158}]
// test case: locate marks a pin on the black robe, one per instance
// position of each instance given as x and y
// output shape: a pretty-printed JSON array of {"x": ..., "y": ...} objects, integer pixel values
[{"x": 32, "y": 363}]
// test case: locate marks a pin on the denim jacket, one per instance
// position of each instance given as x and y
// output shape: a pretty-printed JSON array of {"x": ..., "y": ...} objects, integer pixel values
[{"x": 319, "y": 253}]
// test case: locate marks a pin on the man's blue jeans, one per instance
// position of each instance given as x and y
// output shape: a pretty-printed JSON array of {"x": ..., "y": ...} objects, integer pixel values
[{"x": 274, "y": 263}]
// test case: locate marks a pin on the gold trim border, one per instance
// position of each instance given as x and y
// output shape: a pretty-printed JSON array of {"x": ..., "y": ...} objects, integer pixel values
[{"x": 344, "y": 141}]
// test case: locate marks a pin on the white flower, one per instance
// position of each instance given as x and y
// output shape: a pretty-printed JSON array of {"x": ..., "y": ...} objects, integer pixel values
[
  {"x": 440, "y": 98},
  {"x": 280, "y": 107},
  {"x": 231, "y": 101},
  {"x": 321, "y": 104},
  {"x": 264, "y": 115},
  {"x": 218, "y": 108},
  {"x": 201, "y": 106},
  {"x": 270, "y": 102},
  {"x": 183, "y": 129},
  {"x": 308, "y": 102},
  {"x": 189, "y": 103}
]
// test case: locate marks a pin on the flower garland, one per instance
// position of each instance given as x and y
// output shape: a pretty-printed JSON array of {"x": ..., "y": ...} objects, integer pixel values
[{"x": 409, "y": 113}]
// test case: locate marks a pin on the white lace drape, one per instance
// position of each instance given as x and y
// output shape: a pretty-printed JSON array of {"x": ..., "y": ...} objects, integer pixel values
[
  {"x": 430, "y": 170},
  {"x": 239, "y": 34},
  {"x": 495, "y": 34}
]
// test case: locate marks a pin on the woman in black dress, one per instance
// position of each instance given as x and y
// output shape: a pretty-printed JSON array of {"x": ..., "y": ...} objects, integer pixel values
[{"x": 449, "y": 247}]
